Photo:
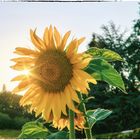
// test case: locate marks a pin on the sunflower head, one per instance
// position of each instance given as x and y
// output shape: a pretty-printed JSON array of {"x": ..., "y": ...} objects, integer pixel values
[{"x": 55, "y": 74}]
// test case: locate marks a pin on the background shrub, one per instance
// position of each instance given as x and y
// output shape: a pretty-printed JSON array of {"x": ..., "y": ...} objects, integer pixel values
[
  {"x": 9, "y": 123},
  {"x": 5, "y": 121},
  {"x": 12, "y": 115}
]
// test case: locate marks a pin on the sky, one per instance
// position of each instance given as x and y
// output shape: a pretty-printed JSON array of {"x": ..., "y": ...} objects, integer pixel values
[{"x": 16, "y": 19}]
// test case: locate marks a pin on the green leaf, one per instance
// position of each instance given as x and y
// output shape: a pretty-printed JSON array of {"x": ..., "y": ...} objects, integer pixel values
[
  {"x": 34, "y": 130},
  {"x": 91, "y": 120},
  {"x": 58, "y": 135},
  {"x": 97, "y": 115},
  {"x": 104, "y": 54},
  {"x": 102, "y": 70}
]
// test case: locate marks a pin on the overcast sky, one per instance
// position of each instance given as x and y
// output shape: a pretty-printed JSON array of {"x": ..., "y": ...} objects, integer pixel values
[{"x": 81, "y": 18}]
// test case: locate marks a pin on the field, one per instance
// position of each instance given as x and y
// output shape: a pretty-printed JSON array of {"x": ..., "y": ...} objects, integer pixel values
[
  {"x": 13, "y": 134},
  {"x": 9, "y": 134}
]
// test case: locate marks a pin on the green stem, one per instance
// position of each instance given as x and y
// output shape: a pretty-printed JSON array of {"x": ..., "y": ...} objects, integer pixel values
[
  {"x": 72, "y": 129},
  {"x": 87, "y": 129}
]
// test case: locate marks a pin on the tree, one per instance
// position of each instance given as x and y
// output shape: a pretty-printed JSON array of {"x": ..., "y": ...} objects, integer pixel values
[
  {"x": 125, "y": 108},
  {"x": 127, "y": 47}
]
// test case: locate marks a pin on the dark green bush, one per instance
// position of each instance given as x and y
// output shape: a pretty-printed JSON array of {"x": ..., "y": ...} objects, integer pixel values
[
  {"x": 9, "y": 123},
  {"x": 125, "y": 115},
  {"x": 12, "y": 115},
  {"x": 5, "y": 121},
  {"x": 19, "y": 122},
  {"x": 9, "y": 104}
]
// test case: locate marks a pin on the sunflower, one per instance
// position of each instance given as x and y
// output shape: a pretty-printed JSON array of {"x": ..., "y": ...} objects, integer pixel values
[
  {"x": 55, "y": 74},
  {"x": 63, "y": 122}
]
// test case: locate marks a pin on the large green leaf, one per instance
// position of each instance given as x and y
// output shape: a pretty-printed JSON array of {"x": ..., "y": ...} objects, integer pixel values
[
  {"x": 97, "y": 115},
  {"x": 34, "y": 130},
  {"x": 104, "y": 54},
  {"x": 102, "y": 70}
]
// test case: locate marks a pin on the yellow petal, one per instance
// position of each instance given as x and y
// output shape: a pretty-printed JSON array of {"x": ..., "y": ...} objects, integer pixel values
[
  {"x": 47, "y": 111},
  {"x": 19, "y": 77},
  {"x": 56, "y": 106},
  {"x": 46, "y": 37},
  {"x": 74, "y": 95},
  {"x": 22, "y": 86},
  {"x": 37, "y": 99},
  {"x": 22, "y": 66},
  {"x": 41, "y": 104},
  {"x": 51, "y": 38},
  {"x": 80, "y": 78},
  {"x": 40, "y": 41},
  {"x": 81, "y": 40},
  {"x": 71, "y": 48},
  {"x": 57, "y": 37},
  {"x": 52, "y": 43},
  {"x": 86, "y": 76},
  {"x": 28, "y": 100},
  {"x": 23, "y": 59},
  {"x": 64, "y": 40},
  {"x": 61, "y": 124},
  {"x": 81, "y": 65},
  {"x": 36, "y": 41},
  {"x": 78, "y": 85},
  {"x": 29, "y": 94},
  {"x": 25, "y": 51},
  {"x": 76, "y": 58},
  {"x": 68, "y": 99},
  {"x": 63, "y": 103}
]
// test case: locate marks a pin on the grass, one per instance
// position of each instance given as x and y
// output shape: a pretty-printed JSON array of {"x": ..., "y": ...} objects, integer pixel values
[
  {"x": 130, "y": 134},
  {"x": 9, "y": 133}
]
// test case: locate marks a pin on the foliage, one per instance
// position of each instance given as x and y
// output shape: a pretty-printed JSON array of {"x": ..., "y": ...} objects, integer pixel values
[
  {"x": 104, "y": 54},
  {"x": 120, "y": 135},
  {"x": 97, "y": 115},
  {"x": 9, "y": 104},
  {"x": 128, "y": 47},
  {"x": 103, "y": 71},
  {"x": 12, "y": 115},
  {"x": 131, "y": 134},
  {"x": 125, "y": 108},
  {"x": 36, "y": 130},
  {"x": 9, "y": 133},
  {"x": 5, "y": 121},
  {"x": 125, "y": 111},
  {"x": 9, "y": 123},
  {"x": 19, "y": 122},
  {"x": 58, "y": 135}
]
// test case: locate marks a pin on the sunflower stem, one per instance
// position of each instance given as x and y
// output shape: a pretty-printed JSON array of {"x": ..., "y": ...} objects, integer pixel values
[
  {"x": 87, "y": 129},
  {"x": 72, "y": 129}
]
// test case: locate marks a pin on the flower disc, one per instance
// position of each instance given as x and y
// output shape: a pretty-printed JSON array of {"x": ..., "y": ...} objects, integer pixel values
[{"x": 54, "y": 70}]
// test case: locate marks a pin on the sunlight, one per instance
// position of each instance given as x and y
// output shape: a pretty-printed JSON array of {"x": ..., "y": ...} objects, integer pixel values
[{"x": 25, "y": 72}]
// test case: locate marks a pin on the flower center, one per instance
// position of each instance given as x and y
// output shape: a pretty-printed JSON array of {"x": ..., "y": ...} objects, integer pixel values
[{"x": 54, "y": 70}]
